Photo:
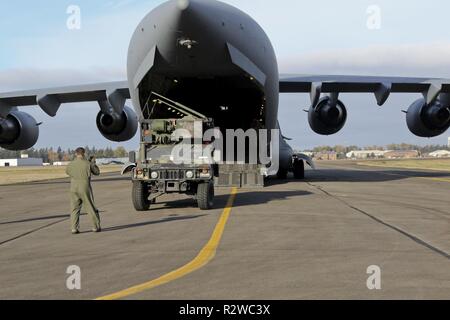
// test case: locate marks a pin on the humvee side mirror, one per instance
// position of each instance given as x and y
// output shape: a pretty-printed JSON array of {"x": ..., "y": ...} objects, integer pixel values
[{"x": 132, "y": 156}]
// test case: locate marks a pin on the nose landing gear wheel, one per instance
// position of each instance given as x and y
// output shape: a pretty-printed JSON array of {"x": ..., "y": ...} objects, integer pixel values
[
  {"x": 205, "y": 195},
  {"x": 282, "y": 174},
  {"x": 299, "y": 169}
]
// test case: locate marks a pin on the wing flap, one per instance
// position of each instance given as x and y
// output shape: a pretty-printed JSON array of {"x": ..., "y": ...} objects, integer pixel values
[
  {"x": 116, "y": 93},
  {"x": 380, "y": 86}
]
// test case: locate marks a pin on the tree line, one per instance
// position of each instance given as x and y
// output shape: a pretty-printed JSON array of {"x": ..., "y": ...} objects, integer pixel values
[
  {"x": 394, "y": 147},
  {"x": 50, "y": 155}
]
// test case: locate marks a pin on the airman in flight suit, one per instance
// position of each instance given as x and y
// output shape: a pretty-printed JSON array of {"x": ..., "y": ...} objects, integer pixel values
[{"x": 80, "y": 171}]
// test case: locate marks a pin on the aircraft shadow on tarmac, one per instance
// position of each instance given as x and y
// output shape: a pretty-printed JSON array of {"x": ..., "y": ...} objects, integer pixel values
[
  {"x": 325, "y": 175},
  {"x": 60, "y": 216},
  {"x": 54, "y": 217},
  {"x": 148, "y": 223},
  {"x": 244, "y": 198},
  {"x": 336, "y": 175},
  {"x": 102, "y": 178},
  {"x": 263, "y": 197}
]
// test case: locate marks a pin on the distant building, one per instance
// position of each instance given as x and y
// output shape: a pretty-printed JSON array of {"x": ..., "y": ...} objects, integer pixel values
[
  {"x": 366, "y": 154},
  {"x": 61, "y": 163},
  {"x": 449, "y": 142},
  {"x": 440, "y": 154},
  {"x": 101, "y": 162},
  {"x": 24, "y": 161},
  {"x": 326, "y": 155},
  {"x": 408, "y": 154}
]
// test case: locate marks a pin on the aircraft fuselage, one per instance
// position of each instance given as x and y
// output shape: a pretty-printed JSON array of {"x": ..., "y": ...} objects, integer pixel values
[{"x": 209, "y": 56}]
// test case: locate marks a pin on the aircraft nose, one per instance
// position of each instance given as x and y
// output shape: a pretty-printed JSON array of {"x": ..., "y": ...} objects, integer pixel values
[
  {"x": 179, "y": 36},
  {"x": 198, "y": 43},
  {"x": 183, "y": 4}
]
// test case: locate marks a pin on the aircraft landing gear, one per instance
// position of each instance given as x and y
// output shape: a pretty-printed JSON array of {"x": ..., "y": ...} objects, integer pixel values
[
  {"x": 298, "y": 168},
  {"x": 282, "y": 174}
]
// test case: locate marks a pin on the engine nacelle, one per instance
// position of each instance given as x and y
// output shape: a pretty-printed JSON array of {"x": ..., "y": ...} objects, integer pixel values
[
  {"x": 118, "y": 127},
  {"x": 428, "y": 120},
  {"x": 18, "y": 131},
  {"x": 327, "y": 118}
]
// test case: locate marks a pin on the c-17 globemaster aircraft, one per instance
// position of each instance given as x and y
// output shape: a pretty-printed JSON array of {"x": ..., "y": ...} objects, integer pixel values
[{"x": 217, "y": 60}]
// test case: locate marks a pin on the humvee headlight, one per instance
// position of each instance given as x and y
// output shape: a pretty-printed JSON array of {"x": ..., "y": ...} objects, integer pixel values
[
  {"x": 189, "y": 174},
  {"x": 205, "y": 173},
  {"x": 154, "y": 175}
]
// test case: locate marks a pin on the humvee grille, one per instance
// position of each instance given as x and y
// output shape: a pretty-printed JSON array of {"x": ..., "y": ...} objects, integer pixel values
[{"x": 172, "y": 175}]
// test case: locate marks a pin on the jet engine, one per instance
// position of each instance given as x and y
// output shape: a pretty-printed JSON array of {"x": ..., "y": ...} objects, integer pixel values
[
  {"x": 327, "y": 117},
  {"x": 428, "y": 120},
  {"x": 18, "y": 131},
  {"x": 118, "y": 127}
]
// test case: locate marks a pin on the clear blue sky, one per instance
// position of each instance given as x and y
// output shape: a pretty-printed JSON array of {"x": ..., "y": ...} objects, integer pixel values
[{"x": 309, "y": 37}]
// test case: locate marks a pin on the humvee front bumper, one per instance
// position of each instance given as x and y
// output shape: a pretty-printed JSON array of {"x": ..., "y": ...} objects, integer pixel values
[{"x": 170, "y": 179}]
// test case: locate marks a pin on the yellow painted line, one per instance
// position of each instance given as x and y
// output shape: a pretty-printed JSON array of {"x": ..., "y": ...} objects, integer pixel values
[{"x": 203, "y": 258}]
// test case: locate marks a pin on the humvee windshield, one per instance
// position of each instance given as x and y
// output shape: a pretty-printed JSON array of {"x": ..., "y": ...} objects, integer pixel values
[{"x": 184, "y": 126}]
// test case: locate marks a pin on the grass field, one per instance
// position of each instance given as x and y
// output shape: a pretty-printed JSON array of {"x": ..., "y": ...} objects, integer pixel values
[
  {"x": 13, "y": 175},
  {"x": 419, "y": 164}
]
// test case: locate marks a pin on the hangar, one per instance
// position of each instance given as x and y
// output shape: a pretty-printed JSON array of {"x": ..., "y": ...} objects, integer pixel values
[{"x": 24, "y": 161}]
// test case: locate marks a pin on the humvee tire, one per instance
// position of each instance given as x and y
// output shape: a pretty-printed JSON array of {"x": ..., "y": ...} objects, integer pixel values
[
  {"x": 205, "y": 195},
  {"x": 299, "y": 169},
  {"x": 140, "y": 196}
]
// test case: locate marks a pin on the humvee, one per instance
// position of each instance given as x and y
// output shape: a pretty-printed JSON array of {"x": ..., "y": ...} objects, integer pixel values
[{"x": 155, "y": 172}]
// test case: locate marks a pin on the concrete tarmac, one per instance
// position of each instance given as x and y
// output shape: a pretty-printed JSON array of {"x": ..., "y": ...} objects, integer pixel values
[{"x": 312, "y": 239}]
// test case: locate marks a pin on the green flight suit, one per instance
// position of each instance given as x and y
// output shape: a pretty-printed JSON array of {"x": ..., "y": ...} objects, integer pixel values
[{"x": 80, "y": 171}]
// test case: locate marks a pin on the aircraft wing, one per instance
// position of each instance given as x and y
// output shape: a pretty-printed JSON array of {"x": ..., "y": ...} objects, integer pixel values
[
  {"x": 382, "y": 87},
  {"x": 116, "y": 93}
]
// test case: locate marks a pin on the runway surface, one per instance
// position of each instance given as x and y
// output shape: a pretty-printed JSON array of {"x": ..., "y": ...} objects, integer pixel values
[{"x": 310, "y": 239}]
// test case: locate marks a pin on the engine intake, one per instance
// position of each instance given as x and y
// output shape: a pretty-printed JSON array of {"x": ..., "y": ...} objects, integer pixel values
[
  {"x": 18, "y": 131},
  {"x": 118, "y": 127},
  {"x": 429, "y": 120},
  {"x": 327, "y": 117}
]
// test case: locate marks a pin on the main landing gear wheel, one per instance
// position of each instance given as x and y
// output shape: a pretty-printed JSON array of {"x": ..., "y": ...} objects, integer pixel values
[
  {"x": 299, "y": 169},
  {"x": 205, "y": 195},
  {"x": 282, "y": 174},
  {"x": 140, "y": 196}
]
